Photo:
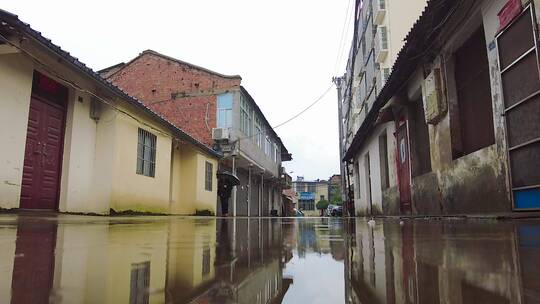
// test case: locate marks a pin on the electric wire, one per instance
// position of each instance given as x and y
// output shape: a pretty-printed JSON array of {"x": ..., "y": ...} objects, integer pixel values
[
  {"x": 341, "y": 47},
  {"x": 293, "y": 117}
]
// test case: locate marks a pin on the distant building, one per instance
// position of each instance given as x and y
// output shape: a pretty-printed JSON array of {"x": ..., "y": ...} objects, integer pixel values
[
  {"x": 215, "y": 109},
  {"x": 334, "y": 188},
  {"x": 309, "y": 193}
]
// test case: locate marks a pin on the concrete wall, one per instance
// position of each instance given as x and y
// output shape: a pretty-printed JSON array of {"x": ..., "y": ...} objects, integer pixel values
[
  {"x": 188, "y": 193},
  {"x": 361, "y": 184},
  {"x": 248, "y": 145},
  {"x": 132, "y": 191},
  {"x": 15, "y": 85}
]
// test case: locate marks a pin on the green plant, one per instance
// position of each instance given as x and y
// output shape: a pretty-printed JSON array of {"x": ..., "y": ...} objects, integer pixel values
[{"x": 322, "y": 204}]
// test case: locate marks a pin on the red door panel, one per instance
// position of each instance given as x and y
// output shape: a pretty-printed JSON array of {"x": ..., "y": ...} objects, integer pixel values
[
  {"x": 43, "y": 154},
  {"x": 33, "y": 269},
  {"x": 404, "y": 169}
]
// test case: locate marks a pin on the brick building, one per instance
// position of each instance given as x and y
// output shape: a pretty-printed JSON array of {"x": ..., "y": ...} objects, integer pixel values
[
  {"x": 183, "y": 93},
  {"x": 202, "y": 102}
]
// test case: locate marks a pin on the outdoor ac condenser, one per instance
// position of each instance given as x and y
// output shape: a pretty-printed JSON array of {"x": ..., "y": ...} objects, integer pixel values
[{"x": 220, "y": 134}]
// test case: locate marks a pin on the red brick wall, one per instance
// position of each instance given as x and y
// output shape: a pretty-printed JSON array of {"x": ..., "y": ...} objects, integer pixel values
[{"x": 152, "y": 79}]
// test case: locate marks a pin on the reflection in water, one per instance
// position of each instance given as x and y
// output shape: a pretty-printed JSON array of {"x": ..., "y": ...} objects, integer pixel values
[
  {"x": 442, "y": 262},
  {"x": 75, "y": 259}
]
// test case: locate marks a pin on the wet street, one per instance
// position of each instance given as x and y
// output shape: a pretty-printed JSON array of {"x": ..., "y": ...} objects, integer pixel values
[{"x": 82, "y": 259}]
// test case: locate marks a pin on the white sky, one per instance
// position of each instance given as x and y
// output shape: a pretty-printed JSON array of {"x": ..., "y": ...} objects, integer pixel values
[{"x": 285, "y": 51}]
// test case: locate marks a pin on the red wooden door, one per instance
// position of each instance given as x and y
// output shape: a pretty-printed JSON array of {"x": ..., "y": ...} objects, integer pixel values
[
  {"x": 33, "y": 269},
  {"x": 43, "y": 155},
  {"x": 404, "y": 169}
]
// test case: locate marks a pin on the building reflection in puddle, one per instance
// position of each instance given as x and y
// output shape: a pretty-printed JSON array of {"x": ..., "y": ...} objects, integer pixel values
[
  {"x": 143, "y": 260},
  {"x": 442, "y": 262},
  {"x": 73, "y": 259}
]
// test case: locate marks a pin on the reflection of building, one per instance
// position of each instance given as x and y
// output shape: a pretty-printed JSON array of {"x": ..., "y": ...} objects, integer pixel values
[
  {"x": 442, "y": 262},
  {"x": 250, "y": 257},
  {"x": 309, "y": 193},
  {"x": 132, "y": 260},
  {"x": 190, "y": 259}
]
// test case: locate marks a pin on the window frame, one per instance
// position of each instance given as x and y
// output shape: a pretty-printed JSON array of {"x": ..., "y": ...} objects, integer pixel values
[
  {"x": 208, "y": 176},
  {"x": 147, "y": 141}
]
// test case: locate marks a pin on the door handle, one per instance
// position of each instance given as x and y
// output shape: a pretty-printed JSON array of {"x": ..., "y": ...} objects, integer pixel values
[{"x": 37, "y": 151}]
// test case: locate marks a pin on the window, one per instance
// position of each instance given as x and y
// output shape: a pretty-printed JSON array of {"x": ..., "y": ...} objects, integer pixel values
[
  {"x": 383, "y": 157},
  {"x": 473, "y": 88},
  {"x": 139, "y": 283},
  {"x": 312, "y": 188},
  {"x": 384, "y": 38},
  {"x": 258, "y": 136},
  {"x": 322, "y": 198},
  {"x": 246, "y": 115},
  {"x": 267, "y": 146},
  {"x": 206, "y": 262},
  {"x": 208, "y": 174},
  {"x": 224, "y": 110},
  {"x": 276, "y": 153},
  {"x": 146, "y": 153}
]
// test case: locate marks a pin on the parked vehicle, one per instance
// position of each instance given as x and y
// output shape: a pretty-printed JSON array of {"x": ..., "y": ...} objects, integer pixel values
[
  {"x": 329, "y": 209},
  {"x": 298, "y": 213},
  {"x": 337, "y": 211}
]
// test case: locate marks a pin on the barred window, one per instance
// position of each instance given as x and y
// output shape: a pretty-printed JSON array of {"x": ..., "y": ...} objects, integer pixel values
[
  {"x": 146, "y": 153},
  {"x": 208, "y": 176}
]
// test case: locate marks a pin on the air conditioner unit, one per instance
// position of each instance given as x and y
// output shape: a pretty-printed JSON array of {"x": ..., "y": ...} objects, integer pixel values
[{"x": 220, "y": 134}]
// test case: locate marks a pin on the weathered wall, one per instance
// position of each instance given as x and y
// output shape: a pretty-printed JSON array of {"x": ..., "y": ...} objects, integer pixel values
[
  {"x": 152, "y": 79},
  {"x": 361, "y": 186},
  {"x": 15, "y": 86},
  {"x": 131, "y": 191}
]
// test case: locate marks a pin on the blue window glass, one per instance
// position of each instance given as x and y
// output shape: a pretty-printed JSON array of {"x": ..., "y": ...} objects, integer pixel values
[{"x": 224, "y": 110}]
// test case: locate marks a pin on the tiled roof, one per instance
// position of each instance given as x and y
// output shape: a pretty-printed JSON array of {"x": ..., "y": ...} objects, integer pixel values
[{"x": 8, "y": 19}]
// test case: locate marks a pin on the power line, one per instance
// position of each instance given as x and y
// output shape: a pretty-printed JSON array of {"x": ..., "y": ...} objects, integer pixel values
[
  {"x": 345, "y": 28},
  {"x": 293, "y": 117}
]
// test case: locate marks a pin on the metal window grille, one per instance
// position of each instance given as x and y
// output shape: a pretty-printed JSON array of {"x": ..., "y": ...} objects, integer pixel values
[
  {"x": 382, "y": 4},
  {"x": 146, "y": 153},
  {"x": 139, "y": 283},
  {"x": 384, "y": 37},
  {"x": 206, "y": 262},
  {"x": 208, "y": 176}
]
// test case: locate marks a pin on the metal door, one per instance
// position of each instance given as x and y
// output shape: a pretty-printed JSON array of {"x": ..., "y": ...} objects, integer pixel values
[
  {"x": 404, "y": 168},
  {"x": 518, "y": 60},
  {"x": 43, "y": 153}
]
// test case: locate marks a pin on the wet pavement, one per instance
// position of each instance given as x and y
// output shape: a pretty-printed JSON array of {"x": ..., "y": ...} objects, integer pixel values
[{"x": 82, "y": 259}]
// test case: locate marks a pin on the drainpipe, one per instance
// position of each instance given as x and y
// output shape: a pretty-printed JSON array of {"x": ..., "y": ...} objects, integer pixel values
[
  {"x": 262, "y": 193},
  {"x": 234, "y": 189},
  {"x": 249, "y": 191}
]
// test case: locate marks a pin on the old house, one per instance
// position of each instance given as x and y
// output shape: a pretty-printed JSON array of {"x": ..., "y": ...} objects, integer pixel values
[
  {"x": 462, "y": 99},
  {"x": 73, "y": 142},
  {"x": 215, "y": 109}
]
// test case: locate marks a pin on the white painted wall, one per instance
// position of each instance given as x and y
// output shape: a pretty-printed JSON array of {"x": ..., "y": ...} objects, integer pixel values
[
  {"x": 361, "y": 186},
  {"x": 84, "y": 160},
  {"x": 15, "y": 89}
]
